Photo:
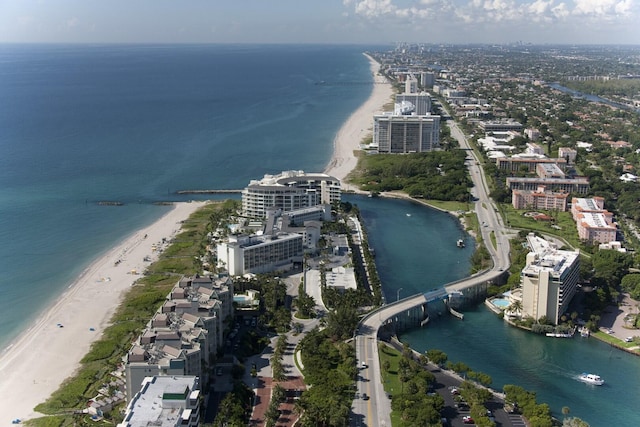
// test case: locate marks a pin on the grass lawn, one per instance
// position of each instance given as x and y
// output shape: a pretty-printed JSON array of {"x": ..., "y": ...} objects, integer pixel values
[
  {"x": 563, "y": 227},
  {"x": 616, "y": 341},
  {"x": 448, "y": 206},
  {"x": 137, "y": 307},
  {"x": 392, "y": 384}
]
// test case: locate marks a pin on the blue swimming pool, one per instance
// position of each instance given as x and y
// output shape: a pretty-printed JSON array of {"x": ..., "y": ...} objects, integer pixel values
[{"x": 500, "y": 302}]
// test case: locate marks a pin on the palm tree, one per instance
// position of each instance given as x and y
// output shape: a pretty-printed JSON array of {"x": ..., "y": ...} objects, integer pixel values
[{"x": 515, "y": 307}]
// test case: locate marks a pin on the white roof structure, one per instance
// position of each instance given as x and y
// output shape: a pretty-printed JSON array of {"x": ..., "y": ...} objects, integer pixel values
[{"x": 627, "y": 177}]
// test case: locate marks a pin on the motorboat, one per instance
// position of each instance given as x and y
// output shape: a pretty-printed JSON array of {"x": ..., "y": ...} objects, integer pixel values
[
  {"x": 460, "y": 243},
  {"x": 591, "y": 379}
]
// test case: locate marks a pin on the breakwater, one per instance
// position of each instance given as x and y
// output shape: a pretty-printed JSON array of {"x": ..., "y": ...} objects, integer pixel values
[{"x": 208, "y": 191}]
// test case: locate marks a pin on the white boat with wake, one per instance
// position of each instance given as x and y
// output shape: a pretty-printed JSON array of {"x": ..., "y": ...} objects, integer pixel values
[{"x": 591, "y": 379}]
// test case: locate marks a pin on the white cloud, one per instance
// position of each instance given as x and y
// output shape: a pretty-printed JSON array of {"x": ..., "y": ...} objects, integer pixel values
[
  {"x": 478, "y": 11},
  {"x": 560, "y": 11},
  {"x": 374, "y": 8},
  {"x": 602, "y": 8}
]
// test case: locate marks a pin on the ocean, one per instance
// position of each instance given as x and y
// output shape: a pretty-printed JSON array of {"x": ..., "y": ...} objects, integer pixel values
[{"x": 80, "y": 124}]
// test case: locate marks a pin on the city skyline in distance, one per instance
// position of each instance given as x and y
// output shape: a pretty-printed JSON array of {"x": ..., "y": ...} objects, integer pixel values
[{"x": 334, "y": 21}]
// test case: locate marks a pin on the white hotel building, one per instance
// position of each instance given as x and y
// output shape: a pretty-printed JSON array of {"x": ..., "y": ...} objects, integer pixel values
[{"x": 289, "y": 191}]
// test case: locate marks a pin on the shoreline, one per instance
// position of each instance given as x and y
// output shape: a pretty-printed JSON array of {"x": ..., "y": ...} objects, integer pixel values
[
  {"x": 44, "y": 355},
  {"x": 48, "y": 351},
  {"x": 357, "y": 127}
]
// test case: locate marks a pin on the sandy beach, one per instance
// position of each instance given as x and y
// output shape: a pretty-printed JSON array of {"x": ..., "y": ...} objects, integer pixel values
[
  {"x": 47, "y": 353},
  {"x": 358, "y": 126}
]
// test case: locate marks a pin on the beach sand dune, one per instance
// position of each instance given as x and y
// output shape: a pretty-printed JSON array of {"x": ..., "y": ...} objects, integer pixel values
[{"x": 47, "y": 353}]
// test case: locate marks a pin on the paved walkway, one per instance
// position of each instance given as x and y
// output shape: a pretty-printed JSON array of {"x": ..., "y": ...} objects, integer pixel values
[{"x": 294, "y": 385}]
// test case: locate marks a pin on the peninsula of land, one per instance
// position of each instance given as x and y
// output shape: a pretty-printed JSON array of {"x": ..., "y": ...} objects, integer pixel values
[{"x": 43, "y": 356}]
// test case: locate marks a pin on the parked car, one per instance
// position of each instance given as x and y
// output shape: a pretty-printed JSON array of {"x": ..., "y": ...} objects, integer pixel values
[{"x": 462, "y": 405}]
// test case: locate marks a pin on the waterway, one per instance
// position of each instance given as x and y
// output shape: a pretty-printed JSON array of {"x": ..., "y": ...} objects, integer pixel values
[
  {"x": 416, "y": 252},
  {"x": 592, "y": 98}
]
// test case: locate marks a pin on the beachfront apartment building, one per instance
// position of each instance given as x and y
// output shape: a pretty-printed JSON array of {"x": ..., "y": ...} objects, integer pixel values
[
  {"x": 288, "y": 191},
  {"x": 184, "y": 335},
  {"x": 401, "y": 134},
  {"x": 549, "y": 279},
  {"x": 260, "y": 253},
  {"x": 412, "y": 104},
  {"x": 539, "y": 199},
  {"x": 163, "y": 355},
  {"x": 169, "y": 401}
]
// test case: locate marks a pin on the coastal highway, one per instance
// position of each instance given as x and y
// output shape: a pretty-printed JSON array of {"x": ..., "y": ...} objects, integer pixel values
[
  {"x": 490, "y": 221},
  {"x": 374, "y": 410}
]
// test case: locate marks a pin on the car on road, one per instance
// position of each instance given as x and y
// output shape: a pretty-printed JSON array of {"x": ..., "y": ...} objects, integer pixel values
[
  {"x": 467, "y": 420},
  {"x": 364, "y": 365},
  {"x": 364, "y": 396}
]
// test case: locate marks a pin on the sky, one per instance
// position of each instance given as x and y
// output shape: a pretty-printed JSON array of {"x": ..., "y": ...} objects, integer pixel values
[{"x": 321, "y": 21}]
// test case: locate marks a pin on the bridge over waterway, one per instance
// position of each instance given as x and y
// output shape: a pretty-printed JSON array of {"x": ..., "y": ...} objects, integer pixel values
[{"x": 414, "y": 311}]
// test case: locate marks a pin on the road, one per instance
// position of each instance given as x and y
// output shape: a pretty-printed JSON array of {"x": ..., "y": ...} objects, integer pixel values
[{"x": 486, "y": 211}]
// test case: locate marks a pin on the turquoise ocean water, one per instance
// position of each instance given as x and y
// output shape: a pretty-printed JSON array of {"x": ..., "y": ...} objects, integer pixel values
[{"x": 136, "y": 123}]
